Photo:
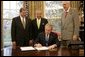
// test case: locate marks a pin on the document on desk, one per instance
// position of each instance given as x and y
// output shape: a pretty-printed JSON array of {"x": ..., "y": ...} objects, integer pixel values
[
  {"x": 27, "y": 48},
  {"x": 41, "y": 48}
]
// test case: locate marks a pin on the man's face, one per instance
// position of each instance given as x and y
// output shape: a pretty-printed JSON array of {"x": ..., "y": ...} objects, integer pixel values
[
  {"x": 66, "y": 6},
  {"x": 48, "y": 30},
  {"x": 38, "y": 14},
  {"x": 23, "y": 13}
]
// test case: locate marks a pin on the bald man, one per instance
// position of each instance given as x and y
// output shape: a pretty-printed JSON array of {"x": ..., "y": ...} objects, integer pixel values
[
  {"x": 69, "y": 21},
  {"x": 38, "y": 24}
]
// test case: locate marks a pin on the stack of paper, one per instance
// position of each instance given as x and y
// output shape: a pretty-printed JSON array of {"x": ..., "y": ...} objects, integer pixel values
[
  {"x": 41, "y": 48},
  {"x": 33, "y": 48},
  {"x": 27, "y": 48}
]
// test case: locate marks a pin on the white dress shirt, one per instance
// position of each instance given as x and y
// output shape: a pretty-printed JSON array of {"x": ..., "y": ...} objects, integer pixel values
[{"x": 38, "y": 22}]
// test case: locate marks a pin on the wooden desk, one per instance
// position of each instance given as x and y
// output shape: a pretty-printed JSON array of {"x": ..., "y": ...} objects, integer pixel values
[{"x": 56, "y": 52}]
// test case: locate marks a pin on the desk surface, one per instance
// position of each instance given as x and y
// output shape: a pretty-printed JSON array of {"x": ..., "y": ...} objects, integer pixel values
[{"x": 56, "y": 52}]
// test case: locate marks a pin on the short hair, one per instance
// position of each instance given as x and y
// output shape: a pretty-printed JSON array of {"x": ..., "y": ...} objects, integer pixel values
[
  {"x": 21, "y": 9},
  {"x": 49, "y": 25}
]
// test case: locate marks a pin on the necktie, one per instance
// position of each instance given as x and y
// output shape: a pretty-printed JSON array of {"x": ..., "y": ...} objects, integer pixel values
[
  {"x": 66, "y": 14},
  {"x": 24, "y": 22},
  {"x": 47, "y": 38},
  {"x": 38, "y": 23}
]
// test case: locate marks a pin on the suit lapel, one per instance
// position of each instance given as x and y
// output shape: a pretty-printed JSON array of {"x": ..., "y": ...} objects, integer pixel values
[
  {"x": 66, "y": 20},
  {"x": 41, "y": 23},
  {"x": 36, "y": 24},
  {"x": 50, "y": 37},
  {"x": 26, "y": 23},
  {"x": 68, "y": 17},
  {"x": 20, "y": 22},
  {"x": 44, "y": 37}
]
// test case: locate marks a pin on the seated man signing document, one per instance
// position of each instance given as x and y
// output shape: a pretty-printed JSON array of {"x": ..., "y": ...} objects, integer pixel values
[{"x": 47, "y": 38}]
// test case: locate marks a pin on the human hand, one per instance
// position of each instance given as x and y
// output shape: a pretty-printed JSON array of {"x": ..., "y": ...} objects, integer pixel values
[
  {"x": 75, "y": 37},
  {"x": 52, "y": 46},
  {"x": 30, "y": 42},
  {"x": 38, "y": 45},
  {"x": 14, "y": 45}
]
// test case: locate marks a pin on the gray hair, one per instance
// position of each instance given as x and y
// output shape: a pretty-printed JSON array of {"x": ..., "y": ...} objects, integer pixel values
[{"x": 48, "y": 25}]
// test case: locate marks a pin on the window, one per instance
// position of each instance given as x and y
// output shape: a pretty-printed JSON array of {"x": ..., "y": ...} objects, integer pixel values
[
  {"x": 53, "y": 11},
  {"x": 10, "y": 10}
]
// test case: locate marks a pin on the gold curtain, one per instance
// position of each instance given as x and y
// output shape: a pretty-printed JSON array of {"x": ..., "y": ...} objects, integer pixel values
[
  {"x": 75, "y": 4},
  {"x": 33, "y": 6}
]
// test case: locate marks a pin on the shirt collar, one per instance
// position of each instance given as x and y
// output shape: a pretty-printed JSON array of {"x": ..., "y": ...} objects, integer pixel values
[
  {"x": 39, "y": 19},
  {"x": 21, "y": 17}
]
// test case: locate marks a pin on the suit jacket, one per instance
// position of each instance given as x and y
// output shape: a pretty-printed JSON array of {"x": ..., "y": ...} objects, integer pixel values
[
  {"x": 35, "y": 29},
  {"x": 18, "y": 33},
  {"x": 53, "y": 39},
  {"x": 70, "y": 25}
]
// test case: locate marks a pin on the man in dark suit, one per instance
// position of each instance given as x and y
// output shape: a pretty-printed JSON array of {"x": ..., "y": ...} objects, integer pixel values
[
  {"x": 38, "y": 24},
  {"x": 47, "y": 38},
  {"x": 20, "y": 29}
]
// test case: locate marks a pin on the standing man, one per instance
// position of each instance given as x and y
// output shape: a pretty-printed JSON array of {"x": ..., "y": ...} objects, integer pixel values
[
  {"x": 38, "y": 24},
  {"x": 20, "y": 29},
  {"x": 70, "y": 22}
]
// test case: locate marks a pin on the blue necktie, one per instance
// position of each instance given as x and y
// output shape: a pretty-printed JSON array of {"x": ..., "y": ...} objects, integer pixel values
[{"x": 47, "y": 39}]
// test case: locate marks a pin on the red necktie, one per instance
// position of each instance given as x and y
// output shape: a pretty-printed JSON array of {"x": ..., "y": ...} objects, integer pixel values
[{"x": 66, "y": 14}]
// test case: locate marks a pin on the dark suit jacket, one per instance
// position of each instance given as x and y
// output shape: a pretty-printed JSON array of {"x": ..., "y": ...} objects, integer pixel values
[
  {"x": 53, "y": 39},
  {"x": 35, "y": 29},
  {"x": 18, "y": 33}
]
